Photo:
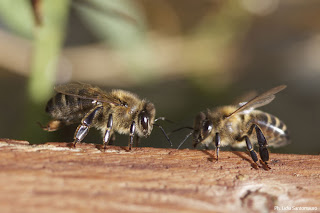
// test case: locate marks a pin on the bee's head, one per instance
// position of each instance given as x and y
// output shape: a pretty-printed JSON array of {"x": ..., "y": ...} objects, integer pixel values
[
  {"x": 146, "y": 119},
  {"x": 203, "y": 127}
]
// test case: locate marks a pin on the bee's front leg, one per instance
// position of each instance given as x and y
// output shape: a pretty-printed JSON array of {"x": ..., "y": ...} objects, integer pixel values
[
  {"x": 131, "y": 136},
  {"x": 107, "y": 135},
  {"x": 83, "y": 128},
  {"x": 217, "y": 143}
]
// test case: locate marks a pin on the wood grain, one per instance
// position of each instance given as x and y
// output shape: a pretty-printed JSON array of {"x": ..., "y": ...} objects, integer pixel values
[{"x": 53, "y": 177}]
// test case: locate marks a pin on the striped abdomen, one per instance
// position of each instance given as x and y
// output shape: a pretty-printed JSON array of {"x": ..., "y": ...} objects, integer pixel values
[
  {"x": 273, "y": 129},
  {"x": 68, "y": 108}
]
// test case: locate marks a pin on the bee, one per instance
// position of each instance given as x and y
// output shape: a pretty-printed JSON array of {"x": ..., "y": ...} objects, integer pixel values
[
  {"x": 116, "y": 111},
  {"x": 241, "y": 125}
]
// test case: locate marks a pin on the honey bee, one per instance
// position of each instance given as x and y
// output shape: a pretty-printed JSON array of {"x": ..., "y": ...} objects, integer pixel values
[
  {"x": 116, "y": 111},
  {"x": 235, "y": 124}
]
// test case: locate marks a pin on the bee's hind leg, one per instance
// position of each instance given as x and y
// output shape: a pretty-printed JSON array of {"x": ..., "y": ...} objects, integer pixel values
[
  {"x": 83, "y": 128},
  {"x": 262, "y": 142},
  {"x": 253, "y": 154},
  {"x": 263, "y": 150}
]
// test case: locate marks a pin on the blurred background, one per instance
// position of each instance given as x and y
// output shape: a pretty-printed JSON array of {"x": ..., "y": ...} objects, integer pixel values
[{"x": 184, "y": 56}]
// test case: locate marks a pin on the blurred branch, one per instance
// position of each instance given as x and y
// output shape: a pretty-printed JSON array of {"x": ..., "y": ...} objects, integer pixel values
[
  {"x": 96, "y": 63},
  {"x": 17, "y": 16},
  {"x": 202, "y": 55},
  {"x": 118, "y": 14},
  {"x": 121, "y": 24},
  {"x": 166, "y": 56},
  {"x": 9, "y": 59},
  {"x": 48, "y": 40}
]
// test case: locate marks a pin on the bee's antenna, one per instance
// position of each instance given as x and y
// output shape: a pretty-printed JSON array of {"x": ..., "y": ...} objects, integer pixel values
[
  {"x": 165, "y": 134},
  {"x": 184, "y": 140},
  {"x": 181, "y": 128},
  {"x": 163, "y": 119}
]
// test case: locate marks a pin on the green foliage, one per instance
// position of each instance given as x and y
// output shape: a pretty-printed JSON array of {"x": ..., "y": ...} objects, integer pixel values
[
  {"x": 48, "y": 39},
  {"x": 120, "y": 22},
  {"x": 17, "y": 15}
]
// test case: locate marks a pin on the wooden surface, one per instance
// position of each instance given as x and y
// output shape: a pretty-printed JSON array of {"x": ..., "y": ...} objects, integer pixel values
[{"x": 53, "y": 177}]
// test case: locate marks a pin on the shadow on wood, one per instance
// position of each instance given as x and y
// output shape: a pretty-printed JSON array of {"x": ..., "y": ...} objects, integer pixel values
[{"x": 52, "y": 177}]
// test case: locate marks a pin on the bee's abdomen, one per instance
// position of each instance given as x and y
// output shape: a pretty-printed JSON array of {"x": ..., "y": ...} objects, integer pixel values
[
  {"x": 67, "y": 107},
  {"x": 273, "y": 128}
]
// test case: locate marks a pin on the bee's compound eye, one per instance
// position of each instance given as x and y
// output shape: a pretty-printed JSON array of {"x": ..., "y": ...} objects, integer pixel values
[
  {"x": 207, "y": 128},
  {"x": 144, "y": 120}
]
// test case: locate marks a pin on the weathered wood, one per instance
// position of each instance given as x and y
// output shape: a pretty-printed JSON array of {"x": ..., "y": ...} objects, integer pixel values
[{"x": 53, "y": 177}]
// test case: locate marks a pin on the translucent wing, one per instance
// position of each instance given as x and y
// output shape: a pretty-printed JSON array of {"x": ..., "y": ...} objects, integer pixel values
[
  {"x": 260, "y": 100},
  {"x": 86, "y": 91},
  {"x": 240, "y": 101}
]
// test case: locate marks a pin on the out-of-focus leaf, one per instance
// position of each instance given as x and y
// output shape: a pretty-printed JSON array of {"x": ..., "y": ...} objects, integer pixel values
[
  {"x": 120, "y": 22},
  {"x": 48, "y": 39},
  {"x": 17, "y": 15}
]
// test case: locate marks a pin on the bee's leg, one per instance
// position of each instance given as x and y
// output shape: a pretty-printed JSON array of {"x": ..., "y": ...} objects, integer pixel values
[
  {"x": 217, "y": 143},
  {"x": 253, "y": 154},
  {"x": 83, "y": 128},
  {"x": 107, "y": 135},
  {"x": 131, "y": 136},
  {"x": 263, "y": 150}
]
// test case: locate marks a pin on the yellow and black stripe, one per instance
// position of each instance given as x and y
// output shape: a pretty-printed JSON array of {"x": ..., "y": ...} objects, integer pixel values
[
  {"x": 62, "y": 106},
  {"x": 273, "y": 128}
]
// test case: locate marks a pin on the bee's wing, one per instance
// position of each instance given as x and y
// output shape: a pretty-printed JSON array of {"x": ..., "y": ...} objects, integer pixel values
[
  {"x": 85, "y": 91},
  {"x": 260, "y": 100},
  {"x": 279, "y": 141},
  {"x": 244, "y": 98}
]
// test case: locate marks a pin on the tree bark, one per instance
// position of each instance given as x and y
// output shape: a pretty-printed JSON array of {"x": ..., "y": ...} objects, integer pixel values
[{"x": 53, "y": 177}]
